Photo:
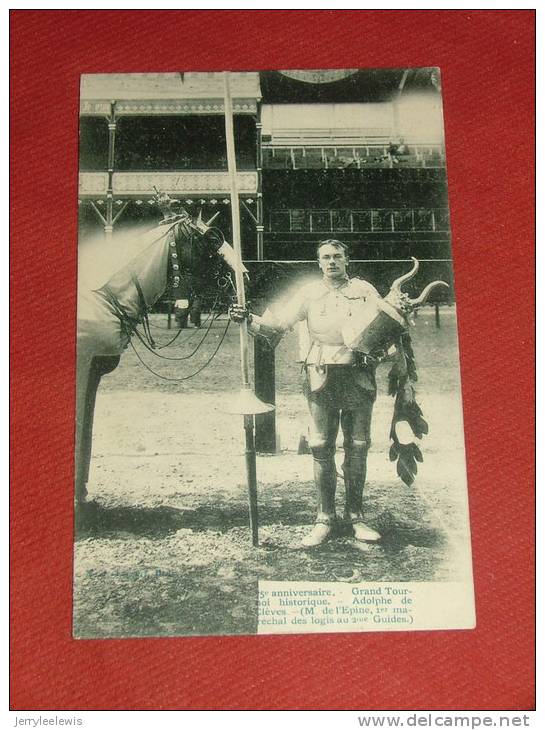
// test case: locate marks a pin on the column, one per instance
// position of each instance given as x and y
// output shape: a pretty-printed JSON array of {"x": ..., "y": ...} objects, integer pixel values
[
  {"x": 259, "y": 168},
  {"x": 109, "y": 224}
]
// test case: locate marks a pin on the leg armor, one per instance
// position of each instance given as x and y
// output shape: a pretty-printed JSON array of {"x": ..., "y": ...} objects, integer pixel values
[
  {"x": 356, "y": 430},
  {"x": 325, "y": 478},
  {"x": 324, "y": 428}
]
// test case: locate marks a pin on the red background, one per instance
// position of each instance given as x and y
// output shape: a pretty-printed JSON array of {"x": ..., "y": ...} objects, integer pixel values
[{"x": 487, "y": 63}]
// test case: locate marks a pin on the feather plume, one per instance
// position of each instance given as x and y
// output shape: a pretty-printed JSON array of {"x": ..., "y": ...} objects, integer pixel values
[{"x": 400, "y": 384}]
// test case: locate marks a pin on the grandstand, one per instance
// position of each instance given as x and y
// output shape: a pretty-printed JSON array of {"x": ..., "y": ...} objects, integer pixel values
[{"x": 356, "y": 155}]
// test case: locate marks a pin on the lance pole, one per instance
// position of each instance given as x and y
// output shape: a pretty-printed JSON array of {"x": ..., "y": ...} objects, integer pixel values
[
  {"x": 235, "y": 218},
  {"x": 250, "y": 404}
]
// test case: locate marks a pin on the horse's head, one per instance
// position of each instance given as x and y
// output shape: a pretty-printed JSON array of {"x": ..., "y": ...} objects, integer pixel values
[
  {"x": 199, "y": 255},
  {"x": 193, "y": 263},
  {"x": 181, "y": 256}
]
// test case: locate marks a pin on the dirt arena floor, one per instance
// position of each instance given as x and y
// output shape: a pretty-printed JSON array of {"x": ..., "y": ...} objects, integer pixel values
[{"x": 165, "y": 550}]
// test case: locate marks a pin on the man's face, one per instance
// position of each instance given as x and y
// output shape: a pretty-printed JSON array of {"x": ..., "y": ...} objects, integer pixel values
[{"x": 333, "y": 261}]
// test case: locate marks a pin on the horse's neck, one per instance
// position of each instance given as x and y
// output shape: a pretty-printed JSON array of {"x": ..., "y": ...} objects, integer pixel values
[{"x": 143, "y": 279}]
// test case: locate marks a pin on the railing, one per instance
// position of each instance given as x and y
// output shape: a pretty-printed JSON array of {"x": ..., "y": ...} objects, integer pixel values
[
  {"x": 188, "y": 182},
  {"x": 149, "y": 163},
  {"x": 375, "y": 220},
  {"x": 327, "y": 136},
  {"x": 357, "y": 157}
]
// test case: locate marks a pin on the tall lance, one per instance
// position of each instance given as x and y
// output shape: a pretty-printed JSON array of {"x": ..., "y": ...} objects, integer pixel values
[{"x": 246, "y": 403}]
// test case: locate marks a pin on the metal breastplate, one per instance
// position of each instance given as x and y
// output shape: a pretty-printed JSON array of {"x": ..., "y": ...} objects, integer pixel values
[
  {"x": 326, "y": 317},
  {"x": 320, "y": 337}
]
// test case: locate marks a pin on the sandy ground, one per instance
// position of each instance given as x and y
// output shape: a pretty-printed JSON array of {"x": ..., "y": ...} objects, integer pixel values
[{"x": 165, "y": 550}]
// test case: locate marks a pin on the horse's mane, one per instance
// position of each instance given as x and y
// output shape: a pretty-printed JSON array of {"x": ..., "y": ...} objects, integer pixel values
[{"x": 99, "y": 261}]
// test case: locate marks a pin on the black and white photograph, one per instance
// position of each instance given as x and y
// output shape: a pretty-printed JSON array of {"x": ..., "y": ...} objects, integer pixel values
[{"x": 268, "y": 431}]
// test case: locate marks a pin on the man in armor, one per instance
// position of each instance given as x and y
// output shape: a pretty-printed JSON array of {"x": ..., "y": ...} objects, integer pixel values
[{"x": 339, "y": 384}]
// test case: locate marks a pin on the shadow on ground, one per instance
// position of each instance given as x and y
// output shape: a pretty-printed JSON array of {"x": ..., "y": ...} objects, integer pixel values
[
  {"x": 96, "y": 520},
  {"x": 397, "y": 534}
]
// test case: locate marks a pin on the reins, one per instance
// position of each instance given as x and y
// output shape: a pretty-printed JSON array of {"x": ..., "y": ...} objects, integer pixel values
[
  {"x": 192, "y": 375},
  {"x": 129, "y": 324},
  {"x": 130, "y": 327}
]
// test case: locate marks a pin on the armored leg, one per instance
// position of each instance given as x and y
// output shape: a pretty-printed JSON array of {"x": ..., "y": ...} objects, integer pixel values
[
  {"x": 324, "y": 429},
  {"x": 325, "y": 478},
  {"x": 356, "y": 425}
]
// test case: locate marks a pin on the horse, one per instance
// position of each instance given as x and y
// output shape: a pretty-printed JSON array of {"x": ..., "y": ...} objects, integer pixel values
[{"x": 117, "y": 287}]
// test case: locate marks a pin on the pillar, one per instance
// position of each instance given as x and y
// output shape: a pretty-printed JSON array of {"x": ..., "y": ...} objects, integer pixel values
[
  {"x": 264, "y": 358},
  {"x": 259, "y": 168},
  {"x": 265, "y": 389},
  {"x": 112, "y": 124}
]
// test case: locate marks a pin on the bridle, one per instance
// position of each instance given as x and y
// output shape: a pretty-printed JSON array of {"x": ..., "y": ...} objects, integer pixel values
[{"x": 178, "y": 250}]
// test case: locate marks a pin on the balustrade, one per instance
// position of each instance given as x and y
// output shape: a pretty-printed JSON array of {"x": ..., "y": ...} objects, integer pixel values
[
  {"x": 371, "y": 220},
  {"x": 356, "y": 157}
]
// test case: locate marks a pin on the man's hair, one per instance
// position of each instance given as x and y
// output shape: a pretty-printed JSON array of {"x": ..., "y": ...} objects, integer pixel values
[{"x": 332, "y": 242}]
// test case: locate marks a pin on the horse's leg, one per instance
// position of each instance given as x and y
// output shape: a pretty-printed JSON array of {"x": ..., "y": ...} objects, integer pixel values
[
  {"x": 88, "y": 382},
  {"x": 82, "y": 387}
]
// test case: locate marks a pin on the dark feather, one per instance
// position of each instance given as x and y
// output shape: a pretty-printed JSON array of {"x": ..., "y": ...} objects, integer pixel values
[
  {"x": 422, "y": 425},
  {"x": 407, "y": 457},
  {"x": 393, "y": 381},
  {"x": 406, "y": 408},
  {"x": 404, "y": 473},
  {"x": 409, "y": 356},
  {"x": 408, "y": 393},
  {"x": 412, "y": 408},
  {"x": 417, "y": 432}
]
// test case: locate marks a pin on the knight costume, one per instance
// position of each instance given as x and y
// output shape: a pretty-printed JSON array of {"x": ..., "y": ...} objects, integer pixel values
[{"x": 340, "y": 388}]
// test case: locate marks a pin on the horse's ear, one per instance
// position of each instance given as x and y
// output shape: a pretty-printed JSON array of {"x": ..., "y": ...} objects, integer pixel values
[
  {"x": 207, "y": 224},
  {"x": 201, "y": 226}
]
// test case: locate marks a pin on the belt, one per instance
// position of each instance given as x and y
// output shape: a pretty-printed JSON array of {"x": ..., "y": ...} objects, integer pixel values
[
  {"x": 323, "y": 354},
  {"x": 367, "y": 360}
]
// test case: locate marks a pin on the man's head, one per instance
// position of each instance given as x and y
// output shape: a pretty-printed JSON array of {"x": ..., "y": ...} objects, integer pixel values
[{"x": 332, "y": 259}]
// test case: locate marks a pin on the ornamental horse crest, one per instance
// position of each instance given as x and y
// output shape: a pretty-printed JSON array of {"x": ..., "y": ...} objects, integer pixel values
[
  {"x": 374, "y": 326},
  {"x": 115, "y": 296}
]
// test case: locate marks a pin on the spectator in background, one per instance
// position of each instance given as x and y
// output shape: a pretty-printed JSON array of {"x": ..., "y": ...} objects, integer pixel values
[
  {"x": 396, "y": 150},
  {"x": 181, "y": 312},
  {"x": 188, "y": 309},
  {"x": 195, "y": 311},
  {"x": 351, "y": 162}
]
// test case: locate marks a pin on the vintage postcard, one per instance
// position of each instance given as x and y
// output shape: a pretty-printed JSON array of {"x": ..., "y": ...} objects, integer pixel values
[{"x": 269, "y": 433}]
